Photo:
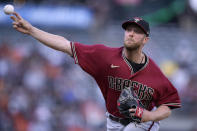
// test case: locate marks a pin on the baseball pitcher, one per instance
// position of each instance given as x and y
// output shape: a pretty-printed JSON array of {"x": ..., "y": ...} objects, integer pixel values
[{"x": 136, "y": 92}]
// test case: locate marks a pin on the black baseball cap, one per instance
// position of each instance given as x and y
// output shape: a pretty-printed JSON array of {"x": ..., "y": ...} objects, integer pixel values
[{"x": 144, "y": 25}]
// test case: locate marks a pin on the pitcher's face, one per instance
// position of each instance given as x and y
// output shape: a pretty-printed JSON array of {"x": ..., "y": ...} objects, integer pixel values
[{"x": 134, "y": 37}]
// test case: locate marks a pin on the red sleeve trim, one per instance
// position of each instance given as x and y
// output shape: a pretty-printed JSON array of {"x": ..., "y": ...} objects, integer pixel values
[
  {"x": 173, "y": 105},
  {"x": 74, "y": 54}
]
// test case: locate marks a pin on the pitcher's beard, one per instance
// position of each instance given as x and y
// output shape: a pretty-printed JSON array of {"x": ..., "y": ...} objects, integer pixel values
[{"x": 131, "y": 47}]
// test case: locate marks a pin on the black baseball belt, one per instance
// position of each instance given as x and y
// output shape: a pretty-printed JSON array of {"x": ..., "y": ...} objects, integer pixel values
[{"x": 123, "y": 121}]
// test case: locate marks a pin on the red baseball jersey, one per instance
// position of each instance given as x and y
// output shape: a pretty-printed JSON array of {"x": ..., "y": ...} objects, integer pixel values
[{"x": 113, "y": 72}]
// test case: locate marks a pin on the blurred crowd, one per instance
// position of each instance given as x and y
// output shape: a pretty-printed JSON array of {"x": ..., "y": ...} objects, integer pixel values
[
  {"x": 181, "y": 12},
  {"x": 181, "y": 70},
  {"x": 46, "y": 91}
]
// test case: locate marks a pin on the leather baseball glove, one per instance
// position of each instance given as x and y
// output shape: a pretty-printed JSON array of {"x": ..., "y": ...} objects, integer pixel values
[{"x": 129, "y": 100}]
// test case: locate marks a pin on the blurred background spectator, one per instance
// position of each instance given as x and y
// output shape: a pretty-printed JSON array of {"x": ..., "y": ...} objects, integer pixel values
[{"x": 43, "y": 90}]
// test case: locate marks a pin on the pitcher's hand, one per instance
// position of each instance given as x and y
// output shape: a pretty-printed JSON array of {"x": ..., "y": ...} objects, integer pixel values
[{"x": 20, "y": 24}]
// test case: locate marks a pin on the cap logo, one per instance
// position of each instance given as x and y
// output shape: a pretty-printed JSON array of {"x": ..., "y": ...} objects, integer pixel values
[{"x": 137, "y": 19}]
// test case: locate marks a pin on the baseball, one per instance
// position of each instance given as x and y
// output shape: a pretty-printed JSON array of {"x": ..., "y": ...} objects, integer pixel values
[{"x": 8, "y": 9}]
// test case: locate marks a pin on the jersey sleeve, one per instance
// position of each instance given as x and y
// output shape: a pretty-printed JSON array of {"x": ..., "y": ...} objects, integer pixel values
[
  {"x": 89, "y": 57},
  {"x": 168, "y": 95}
]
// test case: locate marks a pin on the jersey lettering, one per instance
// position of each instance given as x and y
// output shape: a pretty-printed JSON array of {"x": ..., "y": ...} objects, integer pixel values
[
  {"x": 143, "y": 91},
  {"x": 119, "y": 83},
  {"x": 149, "y": 94},
  {"x": 111, "y": 82},
  {"x": 126, "y": 83},
  {"x": 134, "y": 84}
]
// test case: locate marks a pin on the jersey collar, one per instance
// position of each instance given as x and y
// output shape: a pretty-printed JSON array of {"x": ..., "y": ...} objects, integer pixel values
[{"x": 130, "y": 66}]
